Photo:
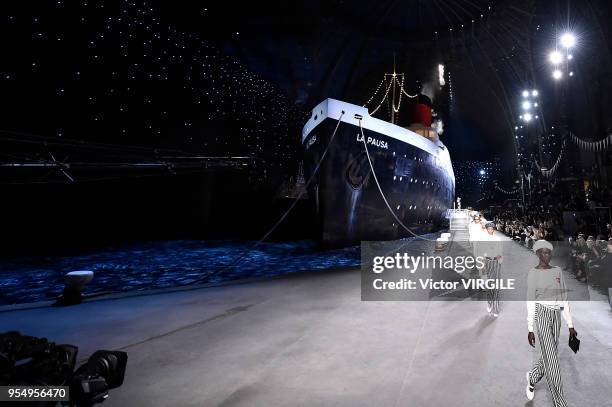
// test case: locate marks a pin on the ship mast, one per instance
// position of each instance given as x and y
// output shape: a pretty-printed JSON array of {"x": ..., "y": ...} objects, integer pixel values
[{"x": 390, "y": 80}]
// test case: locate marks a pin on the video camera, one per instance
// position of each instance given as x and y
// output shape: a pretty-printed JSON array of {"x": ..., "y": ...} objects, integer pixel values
[{"x": 31, "y": 361}]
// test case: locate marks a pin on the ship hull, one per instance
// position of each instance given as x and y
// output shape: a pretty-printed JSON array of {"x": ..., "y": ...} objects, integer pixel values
[{"x": 418, "y": 183}]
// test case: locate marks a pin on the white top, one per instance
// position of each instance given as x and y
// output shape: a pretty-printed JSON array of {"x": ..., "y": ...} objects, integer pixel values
[
  {"x": 491, "y": 245},
  {"x": 547, "y": 287},
  {"x": 475, "y": 231}
]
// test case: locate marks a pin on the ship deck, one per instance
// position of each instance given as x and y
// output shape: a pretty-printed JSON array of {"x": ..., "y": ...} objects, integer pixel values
[{"x": 308, "y": 340}]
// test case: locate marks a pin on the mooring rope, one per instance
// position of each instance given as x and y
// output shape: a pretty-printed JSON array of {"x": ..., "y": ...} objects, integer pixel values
[
  {"x": 381, "y": 191},
  {"x": 243, "y": 255}
]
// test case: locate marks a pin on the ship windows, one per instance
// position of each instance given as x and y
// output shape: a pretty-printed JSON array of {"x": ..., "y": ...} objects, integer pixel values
[
  {"x": 403, "y": 167},
  {"x": 400, "y": 179},
  {"x": 394, "y": 178},
  {"x": 398, "y": 206},
  {"x": 316, "y": 117}
]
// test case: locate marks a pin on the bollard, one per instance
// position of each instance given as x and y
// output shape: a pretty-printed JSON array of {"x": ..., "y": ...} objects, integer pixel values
[
  {"x": 73, "y": 290},
  {"x": 441, "y": 244}
]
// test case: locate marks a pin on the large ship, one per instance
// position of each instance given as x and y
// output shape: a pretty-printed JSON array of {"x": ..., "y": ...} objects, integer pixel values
[{"x": 409, "y": 190}]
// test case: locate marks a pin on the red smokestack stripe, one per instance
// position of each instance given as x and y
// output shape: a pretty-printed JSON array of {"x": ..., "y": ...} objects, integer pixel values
[{"x": 422, "y": 114}]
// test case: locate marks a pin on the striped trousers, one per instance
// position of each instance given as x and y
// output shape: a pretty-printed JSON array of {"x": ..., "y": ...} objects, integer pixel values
[
  {"x": 548, "y": 325},
  {"x": 493, "y": 271}
]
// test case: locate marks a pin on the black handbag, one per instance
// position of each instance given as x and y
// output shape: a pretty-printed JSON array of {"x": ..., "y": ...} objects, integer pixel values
[{"x": 574, "y": 343}]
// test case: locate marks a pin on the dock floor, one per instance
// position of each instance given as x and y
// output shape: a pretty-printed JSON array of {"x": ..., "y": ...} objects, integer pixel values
[{"x": 308, "y": 340}]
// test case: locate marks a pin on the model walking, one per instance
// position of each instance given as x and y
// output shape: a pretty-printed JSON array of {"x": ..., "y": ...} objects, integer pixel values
[
  {"x": 492, "y": 251},
  {"x": 546, "y": 303}
]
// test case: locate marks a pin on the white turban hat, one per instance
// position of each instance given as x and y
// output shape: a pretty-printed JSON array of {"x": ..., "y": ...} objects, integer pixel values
[{"x": 542, "y": 244}]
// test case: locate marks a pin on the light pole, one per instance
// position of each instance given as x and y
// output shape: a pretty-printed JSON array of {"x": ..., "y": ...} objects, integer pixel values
[
  {"x": 561, "y": 69},
  {"x": 529, "y": 103}
]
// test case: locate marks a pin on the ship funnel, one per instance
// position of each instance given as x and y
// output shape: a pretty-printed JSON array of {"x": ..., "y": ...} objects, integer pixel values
[{"x": 421, "y": 113}]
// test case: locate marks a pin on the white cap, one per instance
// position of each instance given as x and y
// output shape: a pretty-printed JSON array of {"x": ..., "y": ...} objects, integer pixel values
[{"x": 542, "y": 244}]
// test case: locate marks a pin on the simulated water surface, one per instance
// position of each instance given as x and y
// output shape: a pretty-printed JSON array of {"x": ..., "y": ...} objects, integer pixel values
[{"x": 164, "y": 264}]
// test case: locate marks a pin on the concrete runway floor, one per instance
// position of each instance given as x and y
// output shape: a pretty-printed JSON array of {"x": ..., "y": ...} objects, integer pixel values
[{"x": 308, "y": 340}]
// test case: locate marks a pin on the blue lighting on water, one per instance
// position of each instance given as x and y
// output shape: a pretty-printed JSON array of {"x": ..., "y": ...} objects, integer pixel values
[
  {"x": 163, "y": 265},
  {"x": 166, "y": 264}
]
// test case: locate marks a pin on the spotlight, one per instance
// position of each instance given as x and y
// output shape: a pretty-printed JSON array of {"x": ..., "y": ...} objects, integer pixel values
[
  {"x": 555, "y": 57},
  {"x": 570, "y": 57},
  {"x": 557, "y": 74},
  {"x": 535, "y": 104},
  {"x": 568, "y": 40},
  {"x": 525, "y": 93},
  {"x": 571, "y": 74},
  {"x": 526, "y": 105},
  {"x": 534, "y": 93},
  {"x": 527, "y": 117}
]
